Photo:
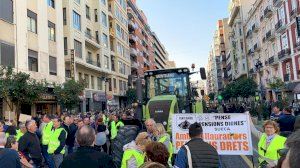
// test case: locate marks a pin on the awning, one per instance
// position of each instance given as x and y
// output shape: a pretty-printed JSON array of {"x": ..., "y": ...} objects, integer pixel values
[{"x": 290, "y": 87}]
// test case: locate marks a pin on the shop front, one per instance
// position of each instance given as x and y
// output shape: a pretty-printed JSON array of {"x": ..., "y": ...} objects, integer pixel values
[
  {"x": 92, "y": 101},
  {"x": 46, "y": 105}
]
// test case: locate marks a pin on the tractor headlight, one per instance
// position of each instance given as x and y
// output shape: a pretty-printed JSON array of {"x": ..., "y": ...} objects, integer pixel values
[
  {"x": 185, "y": 70},
  {"x": 180, "y": 70},
  {"x": 150, "y": 73}
]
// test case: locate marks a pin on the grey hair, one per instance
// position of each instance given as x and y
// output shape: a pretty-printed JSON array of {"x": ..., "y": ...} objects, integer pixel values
[
  {"x": 29, "y": 123},
  {"x": 3, "y": 138},
  {"x": 22, "y": 125},
  {"x": 150, "y": 120},
  {"x": 85, "y": 136}
]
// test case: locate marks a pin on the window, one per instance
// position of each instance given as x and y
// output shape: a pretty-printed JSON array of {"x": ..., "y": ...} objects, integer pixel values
[
  {"x": 294, "y": 4},
  {"x": 7, "y": 54},
  {"x": 87, "y": 12},
  {"x": 121, "y": 68},
  {"x": 98, "y": 60},
  {"x": 78, "y": 48},
  {"x": 104, "y": 19},
  {"x": 6, "y": 10},
  {"x": 65, "y": 16},
  {"x": 296, "y": 35},
  {"x": 97, "y": 36},
  {"x": 120, "y": 86},
  {"x": 31, "y": 21},
  {"x": 89, "y": 58},
  {"x": 96, "y": 15},
  {"x": 284, "y": 40},
  {"x": 88, "y": 33},
  {"x": 99, "y": 83},
  {"x": 109, "y": 84},
  {"x": 51, "y": 31},
  {"x": 52, "y": 65},
  {"x": 288, "y": 68},
  {"x": 66, "y": 45},
  {"x": 282, "y": 15},
  {"x": 103, "y": 2},
  {"x": 93, "y": 82},
  {"x": 87, "y": 80},
  {"x": 76, "y": 21},
  {"x": 32, "y": 61},
  {"x": 77, "y": 1},
  {"x": 115, "y": 83},
  {"x": 112, "y": 63},
  {"x": 106, "y": 62},
  {"x": 51, "y": 3},
  {"x": 105, "y": 40},
  {"x": 80, "y": 76}
]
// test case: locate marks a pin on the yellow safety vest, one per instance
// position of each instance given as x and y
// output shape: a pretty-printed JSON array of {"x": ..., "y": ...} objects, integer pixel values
[
  {"x": 271, "y": 151},
  {"x": 54, "y": 142},
  {"x": 139, "y": 157},
  {"x": 114, "y": 128},
  {"x": 170, "y": 146},
  {"x": 19, "y": 134},
  {"x": 46, "y": 133}
]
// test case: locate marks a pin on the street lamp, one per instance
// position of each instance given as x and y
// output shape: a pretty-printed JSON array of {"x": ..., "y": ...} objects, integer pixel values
[
  {"x": 104, "y": 79},
  {"x": 258, "y": 67}
]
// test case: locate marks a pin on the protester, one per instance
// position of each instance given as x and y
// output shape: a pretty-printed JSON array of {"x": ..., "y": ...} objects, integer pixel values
[
  {"x": 292, "y": 158},
  {"x": 21, "y": 131},
  {"x": 11, "y": 129},
  {"x": 12, "y": 143},
  {"x": 46, "y": 132},
  {"x": 8, "y": 158},
  {"x": 196, "y": 153},
  {"x": 164, "y": 138},
  {"x": 133, "y": 156},
  {"x": 29, "y": 144},
  {"x": 57, "y": 142},
  {"x": 269, "y": 143},
  {"x": 86, "y": 155},
  {"x": 276, "y": 113},
  {"x": 150, "y": 126},
  {"x": 86, "y": 120},
  {"x": 102, "y": 132},
  {"x": 115, "y": 125},
  {"x": 71, "y": 129},
  {"x": 157, "y": 152},
  {"x": 80, "y": 123},
  {"x": 286, "y": 122}
]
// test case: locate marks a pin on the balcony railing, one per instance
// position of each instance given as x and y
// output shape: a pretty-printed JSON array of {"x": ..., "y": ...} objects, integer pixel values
[
  {"x": 287, "y": 77},
  {"x": 293, "y": 13},
  {"x": 280, "y": 26},
  {"x": 277, "y": 3},
  {"x": 89, "y": 36},
  {"x": 133, "y": 52},
  {"x": 283, "y": 53},
  {"x": 255, "y": 28},
  {"x": 271, "y": 60},
  {"x": 95, "y": 63},
  {"x": 268, "y": 12},
  {"x": 134, "y": 65},
  {"x": 270, "y": 35},
  {"x": 132, "y": 38}
]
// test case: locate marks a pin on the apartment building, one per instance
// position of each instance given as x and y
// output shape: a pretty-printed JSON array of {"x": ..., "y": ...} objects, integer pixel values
[
  {"x": 141, "y": 41},
  {"x": 31, "y": 41},
  {"x": 236, "y": 58},
  {"x": 161, "y": 55},
  {"x": 212, "y": 82}
]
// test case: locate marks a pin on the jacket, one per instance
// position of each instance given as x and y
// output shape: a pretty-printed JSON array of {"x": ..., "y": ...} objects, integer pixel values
[
  {"x": 29, "y": 145},
  {"x": 71, "y": 131},
  {"x": 9, "y": 158},
  {"x": 203, "y": 155},
  {"x": 87, "y": 157},
  {"x": 132, "y": 162}
]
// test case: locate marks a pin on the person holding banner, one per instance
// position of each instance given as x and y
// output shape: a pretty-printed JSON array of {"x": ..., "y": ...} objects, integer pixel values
[{"x": 269, "y": 143}]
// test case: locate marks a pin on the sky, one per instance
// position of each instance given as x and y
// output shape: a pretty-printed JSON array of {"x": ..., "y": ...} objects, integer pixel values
[{"x": 185, "y": 27}]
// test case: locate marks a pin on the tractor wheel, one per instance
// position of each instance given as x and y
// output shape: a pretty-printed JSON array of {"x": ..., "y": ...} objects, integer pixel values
[{"x": 125, "y": 135}]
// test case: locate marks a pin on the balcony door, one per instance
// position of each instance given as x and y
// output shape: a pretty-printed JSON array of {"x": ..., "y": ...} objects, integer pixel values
[{"x": 282, "y": 15}]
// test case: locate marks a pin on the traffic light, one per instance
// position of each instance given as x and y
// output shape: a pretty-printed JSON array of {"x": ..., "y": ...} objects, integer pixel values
[
  {"x": 202, "y": 92},
  {"x": 202, "y": 73}
]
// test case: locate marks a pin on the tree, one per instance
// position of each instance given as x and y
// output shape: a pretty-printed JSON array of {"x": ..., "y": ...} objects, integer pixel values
[
  {"x": 244, "y": 87},
  {"x": 131, "y": 95},
  {"x": 277, "y": 84},
  {"x": 17, "y": 88},
  {"x": 211, "y": 96},
  {"x": 67, "y": 94}
]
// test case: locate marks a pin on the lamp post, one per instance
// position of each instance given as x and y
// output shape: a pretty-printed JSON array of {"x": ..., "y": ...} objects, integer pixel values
[
  {"x": 105, "y": 91},
  {"x": 258, "y": 66}
]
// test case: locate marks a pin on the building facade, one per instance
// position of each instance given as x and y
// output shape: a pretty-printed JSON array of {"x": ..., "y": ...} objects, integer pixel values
[
  {"x": 31, "y": 41},
  {"x": 161, "y": 56}
]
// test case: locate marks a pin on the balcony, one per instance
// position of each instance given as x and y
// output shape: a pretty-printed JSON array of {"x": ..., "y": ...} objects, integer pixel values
[
  {"x": 280, "y": 26},
  {"x": 268, "y": 12},
  {"x": 286, "y": 77},
  {"x": 277, "y": 3},
  {"x": 133, "y": 52},
  {"x": 132, "y": 26},
  {"x": 92, "y": 41},
  {"x": 112, "y": 32},
  {"x": 249, "y": 34},
  {"x": 251, "y": 71},
  {"x": 271, "y": 60},
  {"x": 255, "y": 28},
  {"x": 270, "y": 36},
  {"x": 256, "y": 47},
  {"x": 95, "y": 63},
  {"x": 146, "y": 62},
  {"x": 132, "y": 38},
  {"x": 134, "y": 65},
  {"x": 284, "y": 53},
  {"x": 250, "y": 51},
  {"x": 293, "y": 13},
  {"x": 297, "y": 46}
]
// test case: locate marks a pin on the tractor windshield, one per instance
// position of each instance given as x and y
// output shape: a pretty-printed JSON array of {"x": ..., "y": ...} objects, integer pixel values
[{"x": 168, "y": 84}]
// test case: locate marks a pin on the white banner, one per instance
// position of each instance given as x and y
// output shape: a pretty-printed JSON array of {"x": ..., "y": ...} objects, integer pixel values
[{"x": 230, "y": 134}]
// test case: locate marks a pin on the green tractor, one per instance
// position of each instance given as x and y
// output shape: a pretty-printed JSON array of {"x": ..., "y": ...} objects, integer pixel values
[{"x": 166, "y": 92}]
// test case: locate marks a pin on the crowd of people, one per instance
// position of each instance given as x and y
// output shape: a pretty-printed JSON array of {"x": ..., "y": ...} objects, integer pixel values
[{"x": 85, "y": 140}]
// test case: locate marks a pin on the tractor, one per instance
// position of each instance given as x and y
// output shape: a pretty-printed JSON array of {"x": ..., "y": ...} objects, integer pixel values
[{"x": 166, "y": 92}]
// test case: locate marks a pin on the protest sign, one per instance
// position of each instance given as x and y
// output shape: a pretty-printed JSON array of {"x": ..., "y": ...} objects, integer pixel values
[
  {"x": 23, "y": 118},
  {"x": 230, "y": 134}
]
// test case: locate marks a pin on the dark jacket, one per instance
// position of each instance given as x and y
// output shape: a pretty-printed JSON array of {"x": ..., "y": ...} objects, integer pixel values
[
  {"x": 9, "y": 158},
  {"x": 203, "y": 155},
  {"x": 71, "y": 130},
  {"x": 297, "y": 123},
  {"x": 87, "y": 157},
  {"x": 29, "y": 145},
  {"x": 286, "y": 122}
]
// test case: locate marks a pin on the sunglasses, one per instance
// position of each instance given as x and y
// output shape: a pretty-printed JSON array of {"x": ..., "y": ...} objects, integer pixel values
[{"x": 282, "y": 152}]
